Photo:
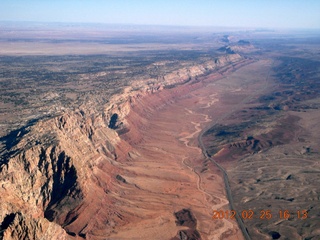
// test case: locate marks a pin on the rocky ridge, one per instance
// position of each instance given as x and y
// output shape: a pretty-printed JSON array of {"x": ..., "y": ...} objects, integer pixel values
[{"x": 59, "y": 178}]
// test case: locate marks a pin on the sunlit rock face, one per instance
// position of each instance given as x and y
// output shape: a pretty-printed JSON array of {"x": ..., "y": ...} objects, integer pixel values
[{"x": 62, "y": 176}]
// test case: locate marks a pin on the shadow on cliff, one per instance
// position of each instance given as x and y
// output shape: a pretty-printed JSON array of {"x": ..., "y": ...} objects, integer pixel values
[
  {"x": 65, "y": 190},
  {"x": 12, "y": 139},
  {"x": 186, "y": 218},
  {"x": 8, "y": 219}
]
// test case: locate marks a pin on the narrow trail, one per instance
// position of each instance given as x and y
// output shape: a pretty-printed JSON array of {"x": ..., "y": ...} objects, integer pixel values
[{"x": 227, "y": 225}]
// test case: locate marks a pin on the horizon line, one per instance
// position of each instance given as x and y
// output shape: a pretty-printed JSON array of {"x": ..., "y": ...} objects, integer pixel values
[{"x": 242, "y": 28}]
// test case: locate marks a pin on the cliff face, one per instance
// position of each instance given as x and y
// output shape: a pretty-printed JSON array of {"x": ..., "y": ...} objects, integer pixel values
[
  {"x": 62, "y": 177},
  {"x": 18, "y": 226},
  {"x": 120, "y": 104}
]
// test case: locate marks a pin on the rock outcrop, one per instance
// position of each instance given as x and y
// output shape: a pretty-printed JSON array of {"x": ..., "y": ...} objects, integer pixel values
[
  {"x": 61, "y": 177},
  {"x": 19, "y": 226}
]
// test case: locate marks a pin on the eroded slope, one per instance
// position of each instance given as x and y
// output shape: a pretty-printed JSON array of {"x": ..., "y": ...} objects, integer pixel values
[{"x": 75, "y": 170}]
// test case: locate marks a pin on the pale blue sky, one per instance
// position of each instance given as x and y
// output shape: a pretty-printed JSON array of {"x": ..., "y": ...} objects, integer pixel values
[{"x": 229, "y": 13}]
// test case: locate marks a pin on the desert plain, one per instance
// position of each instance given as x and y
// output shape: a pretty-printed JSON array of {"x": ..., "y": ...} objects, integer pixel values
[{"x": 100, "y": 134}]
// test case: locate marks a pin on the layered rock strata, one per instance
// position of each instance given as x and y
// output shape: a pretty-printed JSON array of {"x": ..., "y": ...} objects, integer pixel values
[{"x": 60, "y": 178}]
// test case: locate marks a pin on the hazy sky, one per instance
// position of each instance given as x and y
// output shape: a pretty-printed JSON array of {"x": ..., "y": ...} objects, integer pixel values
[{"x": 229, "y": 13}]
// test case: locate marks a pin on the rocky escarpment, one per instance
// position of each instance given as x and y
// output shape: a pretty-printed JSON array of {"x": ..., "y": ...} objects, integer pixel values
[
  {"x": 120, "y": 104},
  {"x": 47, "y": 176},
  {"x": 19, "y": 226},
  {"x": 186, "y": 218},
  {"x": 61, "y": 176}
]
